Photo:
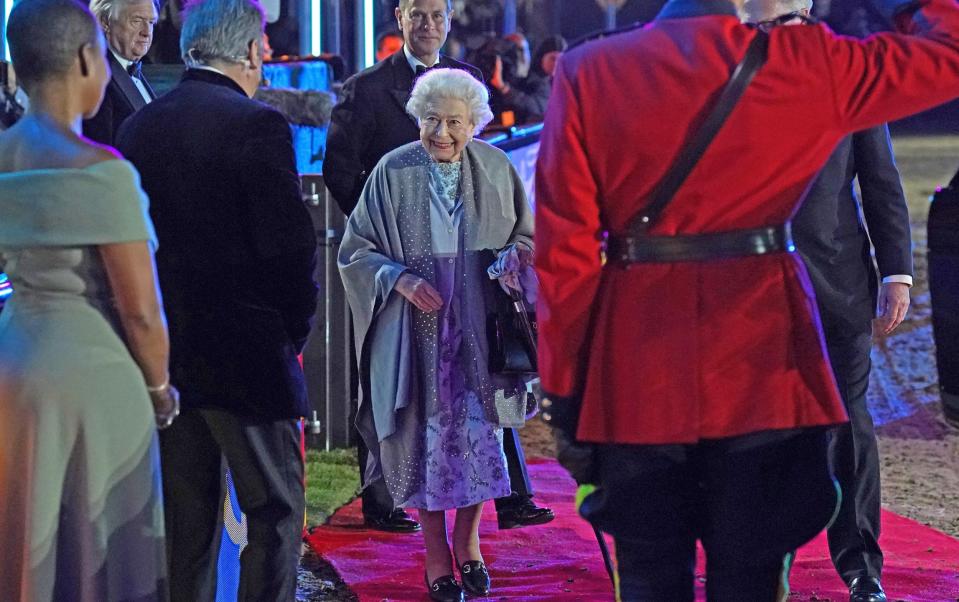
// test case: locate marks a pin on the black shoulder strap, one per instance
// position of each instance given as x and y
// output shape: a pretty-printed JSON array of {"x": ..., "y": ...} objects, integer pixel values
[{"x": 693, "y": 151}]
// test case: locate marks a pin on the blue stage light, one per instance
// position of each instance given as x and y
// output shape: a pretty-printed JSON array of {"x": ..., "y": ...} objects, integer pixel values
[
  {"x": 6, "y": 289},
  {"x": 316, "y": 27},
  {"x": 5, "y": 7},
  {"x": 368, "y": 49}
]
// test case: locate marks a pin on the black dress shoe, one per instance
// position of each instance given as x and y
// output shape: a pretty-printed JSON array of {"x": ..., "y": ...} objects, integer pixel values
[
  {"x": 866, "y": 589},
  {"x": 475, "y": 577},
  {"x": 445, "y": 589},
  {"x": 397, "y": 521},
  {"x": 523, "y": 514}
]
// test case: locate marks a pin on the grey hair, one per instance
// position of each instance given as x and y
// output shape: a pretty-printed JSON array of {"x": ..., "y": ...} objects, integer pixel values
[
  {"x": 220, "y": 30},
  {"x": 456, "y": 84},
  {"x": 405, "y": 4},
  {"x": 110, "y": 9}
]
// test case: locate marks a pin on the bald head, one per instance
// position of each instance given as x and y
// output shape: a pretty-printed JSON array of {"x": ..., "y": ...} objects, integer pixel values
[
  {"x": 755, "y": 11},
  {"x": 46, "y": 37}
]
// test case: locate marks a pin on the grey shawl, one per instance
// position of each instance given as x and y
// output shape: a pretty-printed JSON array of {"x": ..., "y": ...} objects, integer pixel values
[{"x": 388, "y": 234}]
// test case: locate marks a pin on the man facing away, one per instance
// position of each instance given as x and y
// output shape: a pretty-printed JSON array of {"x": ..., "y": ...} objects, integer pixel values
[
  {"x": 236, "y": 270},
  {"x": 128, "y": 28},
  {"x": 834, "y": 244},
  {"x": 688, "y": 371},
  {"x": 369, "y": 121}
]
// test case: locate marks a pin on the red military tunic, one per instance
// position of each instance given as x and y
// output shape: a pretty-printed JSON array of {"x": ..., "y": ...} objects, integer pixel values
[{"x": 679, "y": 352}]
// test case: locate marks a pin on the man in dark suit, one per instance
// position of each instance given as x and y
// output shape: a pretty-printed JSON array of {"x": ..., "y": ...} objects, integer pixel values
[
  {"x": 128, "y": 28},
  {"x": 236, "y": 269},
  {"x": 369, "y": 121},
  {"x": 834, "y": 243},
  {"x": 835, "y": 246}
]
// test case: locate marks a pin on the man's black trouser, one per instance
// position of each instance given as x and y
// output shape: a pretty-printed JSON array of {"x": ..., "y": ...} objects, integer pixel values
[
  {"x": 267, "y": 470},
  {"x": 751, "y": 500},
  {"x": 377, "y": 501},
  {"x": 854, "y": 536}
]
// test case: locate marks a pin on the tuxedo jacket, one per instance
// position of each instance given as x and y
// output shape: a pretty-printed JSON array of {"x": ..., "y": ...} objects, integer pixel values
[
  {"x": 369, "y": 121},
  {"x": 832, "y": 238},
  {"x": 121, "y": 99},
  {"x": 664, "y": 353},
  {"x": 236, "y": 244}
]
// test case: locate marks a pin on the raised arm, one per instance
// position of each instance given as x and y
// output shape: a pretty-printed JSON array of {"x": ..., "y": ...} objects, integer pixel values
[{"x": 891, "y": 75}]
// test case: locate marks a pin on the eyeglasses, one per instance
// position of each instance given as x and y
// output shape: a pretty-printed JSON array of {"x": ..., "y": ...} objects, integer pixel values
[
  {"x": 771, "y": 24},
  {"x": 433, "y": 122}
]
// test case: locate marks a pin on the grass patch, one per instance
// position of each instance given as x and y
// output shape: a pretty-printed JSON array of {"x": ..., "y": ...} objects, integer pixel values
[{"x": 332, "y": 480}]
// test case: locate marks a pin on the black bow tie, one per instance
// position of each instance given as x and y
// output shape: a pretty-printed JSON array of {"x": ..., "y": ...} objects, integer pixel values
[
  {"x": 135, "y": 69},
  {"x": 420, "y": 69}
]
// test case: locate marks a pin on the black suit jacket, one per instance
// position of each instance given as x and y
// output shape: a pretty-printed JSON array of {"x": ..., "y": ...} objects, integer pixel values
[
  {"x": 121, "y": 99},
  {"x": 369, "y": 121},
  {"x": 237, "y": 247},
  {"x": 833, "y": 240}
]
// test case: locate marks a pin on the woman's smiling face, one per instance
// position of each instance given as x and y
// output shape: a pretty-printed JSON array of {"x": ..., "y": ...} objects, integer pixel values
[{"x": 446, "y": 128}]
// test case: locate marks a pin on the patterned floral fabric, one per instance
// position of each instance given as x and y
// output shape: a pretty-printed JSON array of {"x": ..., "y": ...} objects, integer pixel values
[
  {"x": 446, "y": 177},
  {"x": 463, "y": 463}
]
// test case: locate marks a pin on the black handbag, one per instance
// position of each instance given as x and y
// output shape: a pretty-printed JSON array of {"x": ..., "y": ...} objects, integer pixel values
[{"x": 511, "y": 334}]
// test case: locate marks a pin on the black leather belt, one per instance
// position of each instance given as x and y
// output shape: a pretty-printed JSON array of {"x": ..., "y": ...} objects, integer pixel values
[{"x": 625, "y": 250}]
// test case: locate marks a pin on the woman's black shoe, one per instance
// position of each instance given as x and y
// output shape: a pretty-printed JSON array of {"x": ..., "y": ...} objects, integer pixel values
[
  {"x": 445, "y": 589},
  {"x": 475, "y": 577}
]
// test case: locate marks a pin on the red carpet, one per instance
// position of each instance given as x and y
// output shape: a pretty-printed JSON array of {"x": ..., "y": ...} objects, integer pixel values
[{"x": 561, "y": 560}]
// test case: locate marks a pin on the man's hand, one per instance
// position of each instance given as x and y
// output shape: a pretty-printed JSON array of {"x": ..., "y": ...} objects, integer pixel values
[
  {"x": 892, "y": 307},
  {"x": 419, "y": 292}
]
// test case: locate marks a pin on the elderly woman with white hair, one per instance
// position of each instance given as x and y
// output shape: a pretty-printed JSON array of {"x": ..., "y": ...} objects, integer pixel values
[{"x": 414, "y": 263}]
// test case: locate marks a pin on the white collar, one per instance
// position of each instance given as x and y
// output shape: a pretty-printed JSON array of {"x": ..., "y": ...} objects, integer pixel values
[
  {"x": 415, "y": 62},
  {"x": 125, "y": 63}
]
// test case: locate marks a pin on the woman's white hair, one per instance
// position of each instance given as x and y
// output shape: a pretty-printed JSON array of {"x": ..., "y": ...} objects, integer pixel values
[{"x": 451, "y": 83}]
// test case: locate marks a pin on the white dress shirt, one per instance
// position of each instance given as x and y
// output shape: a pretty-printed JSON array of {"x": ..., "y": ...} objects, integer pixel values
[
  {"x": 136, "y": 81},
  {"x": 415, "y": 62}
]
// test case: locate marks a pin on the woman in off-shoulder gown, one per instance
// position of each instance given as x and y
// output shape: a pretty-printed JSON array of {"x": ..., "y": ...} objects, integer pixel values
[{"x": 83, "y": 343}]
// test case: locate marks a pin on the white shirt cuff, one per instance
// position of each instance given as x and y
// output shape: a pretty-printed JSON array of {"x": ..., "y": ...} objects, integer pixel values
[{"x": 901, "y": 278}]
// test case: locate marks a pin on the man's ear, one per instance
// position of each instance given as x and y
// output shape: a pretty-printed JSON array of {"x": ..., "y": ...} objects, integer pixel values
[
  {"x": 255, "y": 54},
  {"x": 104, "y": 23}
]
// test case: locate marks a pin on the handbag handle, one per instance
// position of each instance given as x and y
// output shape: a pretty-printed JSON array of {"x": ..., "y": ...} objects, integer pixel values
[{"x": 693, "y": 151}]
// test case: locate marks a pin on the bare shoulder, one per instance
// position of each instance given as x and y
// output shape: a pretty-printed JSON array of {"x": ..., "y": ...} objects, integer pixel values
[
  {"x": 32, "y": 145},
  {"x": 90, "y": 153}
]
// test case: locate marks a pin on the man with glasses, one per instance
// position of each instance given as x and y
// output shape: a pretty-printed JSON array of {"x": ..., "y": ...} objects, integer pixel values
[
  {"x": 833, "y": 243},
  {"x": 369, "y": 121}
]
